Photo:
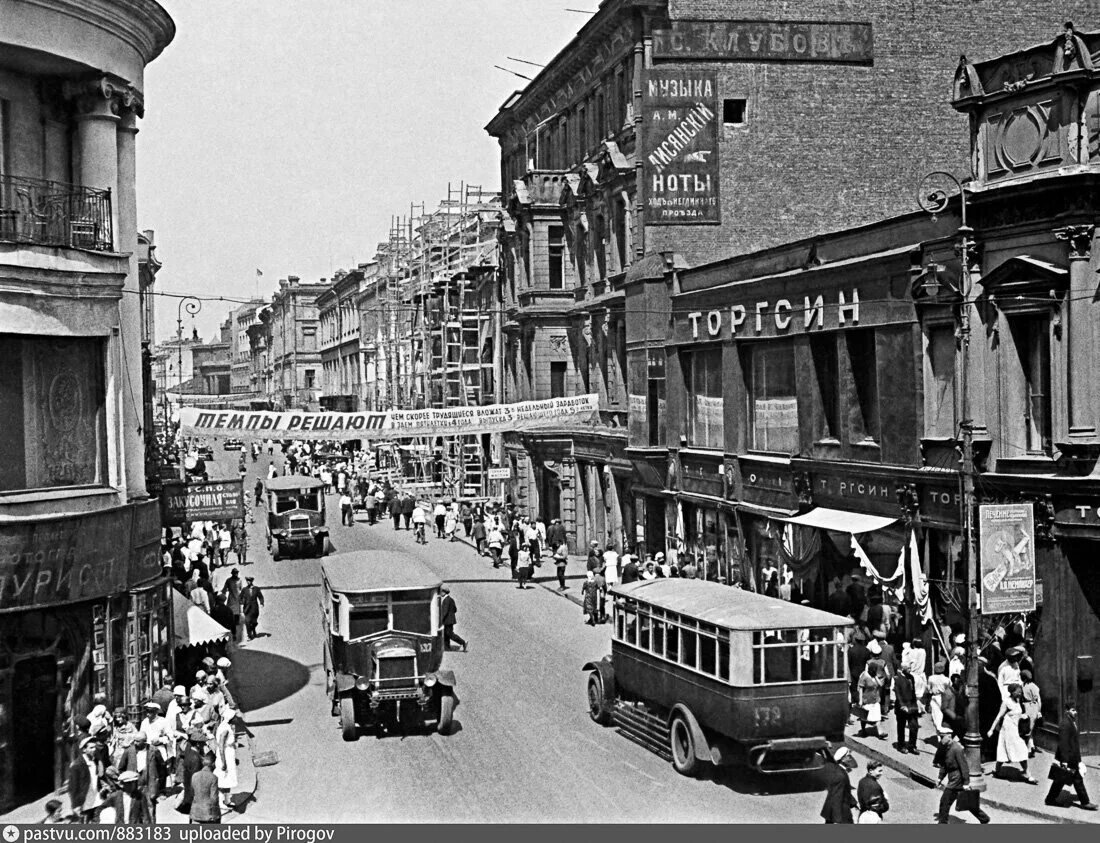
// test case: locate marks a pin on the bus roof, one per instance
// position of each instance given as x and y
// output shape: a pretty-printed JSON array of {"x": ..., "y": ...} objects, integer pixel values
[
  {"x": 292, "y": 482},
  {"x": 376, "y": 570},
  {"x": 722, "y": 605}
]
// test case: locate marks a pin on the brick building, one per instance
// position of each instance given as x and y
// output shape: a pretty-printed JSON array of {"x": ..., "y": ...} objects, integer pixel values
[{"x": 805, "y": 128}]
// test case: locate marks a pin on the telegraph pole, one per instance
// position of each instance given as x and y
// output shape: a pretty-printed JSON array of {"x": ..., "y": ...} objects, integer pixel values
[
  {"x": 192, "y": 306},
  {"x": 934, "y": 200}
]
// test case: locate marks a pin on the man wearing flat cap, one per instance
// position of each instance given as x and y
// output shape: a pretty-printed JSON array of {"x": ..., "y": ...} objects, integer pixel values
[
  {"x": 129, "y": 804},
  {"x": 85, "y": 778}
]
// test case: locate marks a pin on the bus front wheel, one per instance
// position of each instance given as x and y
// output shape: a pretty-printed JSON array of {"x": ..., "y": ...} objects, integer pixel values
[
  {"x": 598, "y": 708},
  {"x": 682, "y": 744},
  {"x": 347, "y": 719}
]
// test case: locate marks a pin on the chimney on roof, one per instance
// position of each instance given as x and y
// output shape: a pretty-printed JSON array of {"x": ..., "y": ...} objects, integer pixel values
[{"x": 293, "y": 280}]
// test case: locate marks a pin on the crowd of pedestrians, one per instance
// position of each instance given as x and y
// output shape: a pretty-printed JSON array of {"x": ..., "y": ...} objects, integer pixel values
[{"x": 184, "y": 745}]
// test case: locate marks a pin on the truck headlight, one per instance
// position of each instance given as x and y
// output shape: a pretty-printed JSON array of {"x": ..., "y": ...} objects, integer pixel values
[
  {"x": 429, "y": 680},
  {"x": 362, "y": 684}
]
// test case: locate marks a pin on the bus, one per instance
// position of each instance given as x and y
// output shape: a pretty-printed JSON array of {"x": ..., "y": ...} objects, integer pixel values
[{"x": 702, "y": 673}]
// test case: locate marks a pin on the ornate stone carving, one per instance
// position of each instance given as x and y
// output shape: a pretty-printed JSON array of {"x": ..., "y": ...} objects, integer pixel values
[
  {"x": 729, "y": 479},
  {"x": 1079, "y": 239},
  {"x": 908, "y": 500},
  {"x": 1070, "y": 51},
  {"x": 803, "y": 487},
  {"x": 559, "y": 342},
  {"x": 91, "y": 96}
]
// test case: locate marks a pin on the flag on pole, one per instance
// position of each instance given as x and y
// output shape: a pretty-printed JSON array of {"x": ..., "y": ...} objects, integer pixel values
[{"x": 258, "y": 273}]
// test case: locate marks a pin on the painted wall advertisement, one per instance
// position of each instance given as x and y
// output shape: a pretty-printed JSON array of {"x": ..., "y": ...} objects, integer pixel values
[
  {"x": 79, "y": 557},
  {"x": 215, "y": 500},
  {"x": 1007, "y": 538},
  {"x": 680, "y": 127}
]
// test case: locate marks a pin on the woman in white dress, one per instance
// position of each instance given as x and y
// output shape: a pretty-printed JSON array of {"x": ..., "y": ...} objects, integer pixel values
[
  {"x": 225, "y": 749},
  {"x": 1011, "y": 748},
  {"x": 938, "y": 682},
  {"x": 917, "y": 659}
]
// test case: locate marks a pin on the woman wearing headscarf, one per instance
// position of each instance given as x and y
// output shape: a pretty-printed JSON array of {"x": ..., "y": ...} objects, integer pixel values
[
  {"x": 591, "y": 594},
  {"x": 225, "y": 753}
]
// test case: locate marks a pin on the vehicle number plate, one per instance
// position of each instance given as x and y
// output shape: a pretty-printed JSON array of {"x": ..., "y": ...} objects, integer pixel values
[{"x": 767, "y": 715}]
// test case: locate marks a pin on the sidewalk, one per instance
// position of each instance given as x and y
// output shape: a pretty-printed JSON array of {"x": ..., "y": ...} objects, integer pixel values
[{"x": 1007, "y": 795}]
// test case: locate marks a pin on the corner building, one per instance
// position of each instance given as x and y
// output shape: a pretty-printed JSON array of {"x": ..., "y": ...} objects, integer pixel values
[
  {"x": 83, "y": 602},
  {"x": 805, "y": 407},
  {"x": 814, "y": 120}
]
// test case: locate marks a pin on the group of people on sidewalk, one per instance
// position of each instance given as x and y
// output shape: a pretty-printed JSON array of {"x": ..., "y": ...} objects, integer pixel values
[{"x": 186, "y": 744}]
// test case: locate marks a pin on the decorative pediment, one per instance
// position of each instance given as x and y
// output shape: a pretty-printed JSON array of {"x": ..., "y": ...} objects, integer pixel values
[{"x": 1028, "y": 278}]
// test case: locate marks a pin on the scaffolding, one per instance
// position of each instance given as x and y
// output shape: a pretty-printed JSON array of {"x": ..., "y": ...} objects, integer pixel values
[{"x": 434, "y": 329}]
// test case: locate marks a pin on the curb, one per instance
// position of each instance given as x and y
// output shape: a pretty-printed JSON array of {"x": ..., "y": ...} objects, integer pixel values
[{"x": 929, "y": 781}]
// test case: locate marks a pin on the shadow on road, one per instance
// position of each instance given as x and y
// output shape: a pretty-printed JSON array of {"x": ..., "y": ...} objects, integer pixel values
[{"x": 266, "y": 678}]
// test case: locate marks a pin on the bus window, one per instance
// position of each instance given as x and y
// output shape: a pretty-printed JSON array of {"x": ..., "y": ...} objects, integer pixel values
[
  {"x": 412, "y": 617},
  {"x": 724, "y": 656},
  {"x": 779, "y": 659},
  {"x": 688, "y": 647},
  {"x": 672, "y": 642},
  {"x": 659, "y": 637},
  {"x": 630, "y": 625},
  {"x": 367, "y": 621},
  {"x": 645, "y": 627},
  {"x": 708, "y": 648}
]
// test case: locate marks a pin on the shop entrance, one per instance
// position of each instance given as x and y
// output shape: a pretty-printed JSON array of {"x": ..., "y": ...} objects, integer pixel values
[{"x": 34, "y": 707}]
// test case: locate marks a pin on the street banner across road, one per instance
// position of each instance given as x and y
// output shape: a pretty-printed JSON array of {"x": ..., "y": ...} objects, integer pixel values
[
  {"x": 395, "y": 424},
  {"x": 1007, "y": 533}
]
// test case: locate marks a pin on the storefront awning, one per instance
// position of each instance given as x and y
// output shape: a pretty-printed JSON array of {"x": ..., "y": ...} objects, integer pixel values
[
  {"x": 193, "y": 626},
  {"x": 840, "y": 520}
]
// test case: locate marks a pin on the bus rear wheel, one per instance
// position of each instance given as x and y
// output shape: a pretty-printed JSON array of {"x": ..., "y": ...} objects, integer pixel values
[
  {"x": 682, "y": 746},
  {"x": 598, "y": 708}
]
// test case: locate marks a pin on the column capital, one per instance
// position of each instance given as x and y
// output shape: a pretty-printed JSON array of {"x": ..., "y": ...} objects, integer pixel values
[
  {"x": 104, "y": 97},
  {"x": 1079, "y": 238}
]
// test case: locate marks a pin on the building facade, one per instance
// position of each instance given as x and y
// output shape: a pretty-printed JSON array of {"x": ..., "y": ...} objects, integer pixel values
[
  {"x": 341, "y": 355},
  {"x": 294, "y": 350},
  {"x": 83, "y": 603},
  {"x": 799, "y": 411},
  {"x": 240, "y": 366},
  {"x": 676, "y": 134}
]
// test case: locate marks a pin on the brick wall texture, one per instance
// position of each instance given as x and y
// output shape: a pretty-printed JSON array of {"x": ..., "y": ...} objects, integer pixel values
[{"x": 833, "y": 146}]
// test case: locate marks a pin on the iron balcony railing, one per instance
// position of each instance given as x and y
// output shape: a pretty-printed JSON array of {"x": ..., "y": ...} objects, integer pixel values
[{"x": 52, "y": 213}]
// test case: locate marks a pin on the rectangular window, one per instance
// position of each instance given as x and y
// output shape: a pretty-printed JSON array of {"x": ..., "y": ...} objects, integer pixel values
[
  {"x": 52, "y": 412},
  {"x": 555, "y": 251},
  {"x": 1031, "y": 335},
  {"x": 689, "y": 648},
  {"x": 412, "y": 617},
  {"x": 645, "y": 629},
  {"x": 600, "y": 118},
  {"x": 827, "y": 374},
  {"x": 367, "y": 622},
  {"x": 940, "y": 392},
  {"x": 557, "y": 379},
  {"x": 311, "y": 378},
  {"x": 703, "y": 383},
  {"x": 655, "y": 397},
  {"x": 659, "y": 636},
  {"x": 863, "y": 399},
  {"x": 582, "y": 132},
  {"x": 773, "y": 402},
  {"x": 672, "y": 642},
  {"x": 733, "y": 112},
  {"x": 708, "y": 648}
]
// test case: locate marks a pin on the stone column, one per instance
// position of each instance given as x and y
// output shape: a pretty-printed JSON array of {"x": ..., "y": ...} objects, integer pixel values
[
  {"x": 96, "y": 140},
  {"x": 1079, "y": 332},
  {"x": 126, "y": 226}
]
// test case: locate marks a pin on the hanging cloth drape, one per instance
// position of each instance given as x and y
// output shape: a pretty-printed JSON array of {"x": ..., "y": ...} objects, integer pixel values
[{"x": 893, "y": 581}]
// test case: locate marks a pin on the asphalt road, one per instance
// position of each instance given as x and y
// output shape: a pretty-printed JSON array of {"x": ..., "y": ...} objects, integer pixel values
[{"x": 524, "y": 748}]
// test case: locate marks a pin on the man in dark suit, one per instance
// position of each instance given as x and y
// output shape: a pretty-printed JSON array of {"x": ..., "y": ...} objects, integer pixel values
[
  {"x": 85, "y": 777},
  {"x": 1068, "y": 756},
  {"x": 146, "y": 762},
  {"x": 190, "y": 763},
  {"x": 448, "y": 616},
  {"x": 955, "y": 778},
  {"x": 204, "y": 787},
  {"x": 252, "y": 600},
  {"x": 129, "y": 803},
  {"x": 906, "y": 696},
  {"x": 839, "y": 800}
]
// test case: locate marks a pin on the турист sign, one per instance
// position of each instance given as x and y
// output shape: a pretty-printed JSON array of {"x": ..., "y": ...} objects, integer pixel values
[{"x": 680, "y": 127}]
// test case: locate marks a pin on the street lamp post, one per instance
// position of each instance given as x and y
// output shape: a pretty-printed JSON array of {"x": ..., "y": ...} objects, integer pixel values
[
  {"x": 934, "y": 199},
  {"x": 192, "y": 306}
]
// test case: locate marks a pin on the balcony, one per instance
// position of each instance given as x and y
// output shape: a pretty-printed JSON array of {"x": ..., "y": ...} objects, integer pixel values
[{"x": 51, "y": 213}]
